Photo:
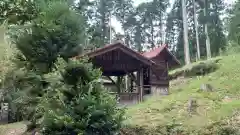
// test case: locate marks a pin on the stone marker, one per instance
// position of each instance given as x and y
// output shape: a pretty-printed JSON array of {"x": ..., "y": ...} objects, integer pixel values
[
  {"x": 192, "y": 106},
  {"x": 206, "y": 87},
  {"x": 4, "y": 113}
]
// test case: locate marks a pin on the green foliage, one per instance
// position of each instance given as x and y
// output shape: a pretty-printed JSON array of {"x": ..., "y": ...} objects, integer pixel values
[
  {"x": 231, "y": 48},
  {"x": 63, "y": 96},
  {"x": 6, "y": 52},
  {"x": 23, "y": 11},
  {"x": 174, "y": 31},
  {"x": 197, "y": 69},
  {"x": 57, "y": 31},
  {"x": 23, "y": 91},
  {"x": 81, "y": 106},
  {"x": 234, "y": 34},
  {"x": 17, "y": 11}
]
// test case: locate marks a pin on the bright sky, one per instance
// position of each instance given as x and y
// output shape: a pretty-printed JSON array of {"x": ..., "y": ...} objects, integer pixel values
[{"x": 117, "y": 25}]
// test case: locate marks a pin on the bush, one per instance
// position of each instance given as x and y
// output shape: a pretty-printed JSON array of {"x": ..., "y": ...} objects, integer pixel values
[
  {"x": 23, "y": 90},
  {"x": 196, "y": 69},
  {"x": 231, "y": 48},
  {"x": 76, "y": 103}
]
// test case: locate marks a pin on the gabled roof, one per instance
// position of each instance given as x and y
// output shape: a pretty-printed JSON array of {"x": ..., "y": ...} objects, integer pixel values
[
  {"x": 155, "y": 52},
  {"x": 123, "y": 48}
]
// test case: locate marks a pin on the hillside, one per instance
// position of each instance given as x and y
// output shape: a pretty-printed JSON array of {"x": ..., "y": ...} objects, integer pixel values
[{"x": 216, "y": 111}]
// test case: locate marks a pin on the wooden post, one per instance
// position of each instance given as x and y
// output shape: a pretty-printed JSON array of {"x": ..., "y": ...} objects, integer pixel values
[
  {"x": 140, "y": 82},
  {"x": 119, "y": 85},
  {"x": 167, "y": 67},
  {"x": 138, "y": 85}
]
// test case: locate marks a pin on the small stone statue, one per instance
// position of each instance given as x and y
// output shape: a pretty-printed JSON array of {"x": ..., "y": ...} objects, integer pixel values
[
  {"x": 206, "y": 87},
  {"x": 192, "y": 106}
]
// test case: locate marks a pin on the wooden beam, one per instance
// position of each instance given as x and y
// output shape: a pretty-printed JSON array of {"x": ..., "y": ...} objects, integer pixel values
[
  {"x": 119, "y": 82},
  {"x": 116, "y": 84},
  {"x": 133, "y": 77},
  {"x": 111, "y": 80}
]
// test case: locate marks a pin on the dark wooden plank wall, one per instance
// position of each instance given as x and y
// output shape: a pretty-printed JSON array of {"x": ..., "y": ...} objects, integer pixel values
[{"x": 159, "y": 76}]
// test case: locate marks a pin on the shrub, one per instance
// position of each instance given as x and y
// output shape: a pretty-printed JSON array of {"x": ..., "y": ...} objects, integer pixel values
[
  {"x": 231, "y": 48},
  {"x": 76, "y": 103},
  {"x": 196, "y": 69}
]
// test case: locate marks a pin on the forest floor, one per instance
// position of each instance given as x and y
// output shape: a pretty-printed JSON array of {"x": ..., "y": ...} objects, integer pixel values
[{"x": 13, "y": 129}]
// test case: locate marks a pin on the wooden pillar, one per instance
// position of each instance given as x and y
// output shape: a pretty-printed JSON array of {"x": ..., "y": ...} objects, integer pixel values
[
  {"x": 140, "y": 82},
  {"x": 119, "y": 85},
  {"x": 167, "y": 67}
]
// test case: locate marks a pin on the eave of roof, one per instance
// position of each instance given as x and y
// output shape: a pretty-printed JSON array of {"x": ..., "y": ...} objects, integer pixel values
[{"x": 118, "y": 45}]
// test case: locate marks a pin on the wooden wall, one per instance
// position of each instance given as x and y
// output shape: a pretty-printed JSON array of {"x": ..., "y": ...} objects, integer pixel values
[{"x": 159, "y": 76}]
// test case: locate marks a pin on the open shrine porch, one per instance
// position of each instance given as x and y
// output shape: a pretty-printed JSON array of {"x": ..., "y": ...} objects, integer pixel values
[{"x": 117, "y": 60}]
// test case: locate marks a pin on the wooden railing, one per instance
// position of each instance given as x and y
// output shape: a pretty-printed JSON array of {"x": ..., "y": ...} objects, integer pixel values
[
  {"x": 126, "y": 96},
  {"x": 129, "y": 97}
]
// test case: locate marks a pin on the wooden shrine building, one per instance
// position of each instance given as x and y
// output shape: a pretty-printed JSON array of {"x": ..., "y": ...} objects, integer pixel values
[{"x": 148, "y": 71}]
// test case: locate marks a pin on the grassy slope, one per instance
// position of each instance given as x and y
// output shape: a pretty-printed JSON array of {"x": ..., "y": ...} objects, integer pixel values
[{"x": 212, "y": 107}]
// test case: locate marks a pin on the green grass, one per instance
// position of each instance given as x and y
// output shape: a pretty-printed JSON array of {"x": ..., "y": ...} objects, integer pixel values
[{"x": 212, "y": 108}]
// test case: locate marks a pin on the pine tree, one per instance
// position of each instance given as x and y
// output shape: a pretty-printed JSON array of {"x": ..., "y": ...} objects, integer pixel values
[
  {"x": 214, "y": 25},
  {"x": 174, "y": 31},
  {"x": 196, "y": 30},
  {"x": 56, "y": 31},
  {"x": 185, "y": 30},
  {"x": 76, "y": 102},
  {"x": 234, "y": 33}
]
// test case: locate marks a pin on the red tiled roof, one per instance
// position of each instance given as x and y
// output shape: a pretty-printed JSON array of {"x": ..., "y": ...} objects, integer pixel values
[{"x": 153, "y": 53}]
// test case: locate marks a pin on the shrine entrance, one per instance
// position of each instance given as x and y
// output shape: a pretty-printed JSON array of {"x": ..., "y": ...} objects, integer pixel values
[
  {"x": 147, "y": 72},
  {"x": 118, "y": 60}
]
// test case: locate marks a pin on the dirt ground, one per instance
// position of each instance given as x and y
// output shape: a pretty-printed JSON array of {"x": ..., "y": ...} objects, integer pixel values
[{"x": 13, "y": 129}]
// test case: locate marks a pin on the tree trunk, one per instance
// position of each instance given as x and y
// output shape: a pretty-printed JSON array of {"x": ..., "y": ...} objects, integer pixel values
[
  {"x": 208, "y": 47},
  {"x": 196, "y": 30},
  {"x": 152, "y": 36},
  {"x": 110, "y": 27},
  {"x": 185, "y": 34}
]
